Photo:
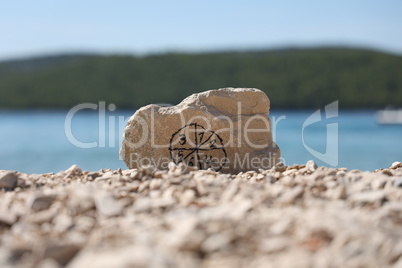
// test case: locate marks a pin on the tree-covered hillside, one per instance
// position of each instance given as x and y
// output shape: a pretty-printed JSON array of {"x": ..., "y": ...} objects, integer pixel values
[{"x": 292, "y": 78}]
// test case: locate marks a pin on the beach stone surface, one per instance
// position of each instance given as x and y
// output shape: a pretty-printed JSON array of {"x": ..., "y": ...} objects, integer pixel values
[
  {"x": 8, "y": 180},
  {"x": 225, "y": 130},
  {"x": 291, "y": 216}
]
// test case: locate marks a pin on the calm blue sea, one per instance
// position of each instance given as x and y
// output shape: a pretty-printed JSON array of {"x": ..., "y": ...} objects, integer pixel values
[{"x": 36, "y": 141}]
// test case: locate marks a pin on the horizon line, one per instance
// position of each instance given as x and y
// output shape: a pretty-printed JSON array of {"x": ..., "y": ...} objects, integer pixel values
[{"x": 96, "y": 52}]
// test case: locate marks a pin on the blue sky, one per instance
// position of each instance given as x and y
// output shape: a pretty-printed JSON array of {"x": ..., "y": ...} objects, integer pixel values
[{"x": 29, "y": 28}]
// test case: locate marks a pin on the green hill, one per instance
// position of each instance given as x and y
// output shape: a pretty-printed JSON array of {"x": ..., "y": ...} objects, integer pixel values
[{"x": 292, "y": 78}]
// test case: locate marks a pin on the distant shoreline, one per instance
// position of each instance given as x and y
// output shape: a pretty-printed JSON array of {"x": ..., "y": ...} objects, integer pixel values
[{"x": 294, "y": 78}]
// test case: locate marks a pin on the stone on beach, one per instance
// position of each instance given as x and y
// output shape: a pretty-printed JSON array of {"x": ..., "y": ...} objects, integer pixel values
[
  {"x": 226, "y": 130},
  {"x": 107, "y": 205},
  {"x": 41, "y": 202},
  {"x": 8, "y": 179}
]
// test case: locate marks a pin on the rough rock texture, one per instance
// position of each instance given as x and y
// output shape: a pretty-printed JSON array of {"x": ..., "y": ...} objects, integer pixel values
[
  {"x": 287, "y": 216},
  {"x": 227, "y": 130}
]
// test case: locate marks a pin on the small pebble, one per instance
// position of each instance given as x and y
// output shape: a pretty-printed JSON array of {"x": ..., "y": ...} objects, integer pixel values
[
  {"x": 311, "y": 166},
  {"x": 8, "y": 180}
]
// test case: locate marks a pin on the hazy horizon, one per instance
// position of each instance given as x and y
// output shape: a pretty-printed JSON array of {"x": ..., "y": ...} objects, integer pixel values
[{"x": 206, "y": 51}]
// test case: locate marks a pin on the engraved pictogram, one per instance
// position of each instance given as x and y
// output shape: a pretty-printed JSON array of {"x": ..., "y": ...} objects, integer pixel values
[{"x": 196, "y": 146}]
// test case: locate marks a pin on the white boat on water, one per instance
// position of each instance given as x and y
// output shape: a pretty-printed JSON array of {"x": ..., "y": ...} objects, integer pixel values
[{"x": 389, "y": 117}]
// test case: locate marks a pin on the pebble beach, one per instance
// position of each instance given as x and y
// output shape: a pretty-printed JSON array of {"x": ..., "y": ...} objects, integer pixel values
[{"x": 287, "y": 216}]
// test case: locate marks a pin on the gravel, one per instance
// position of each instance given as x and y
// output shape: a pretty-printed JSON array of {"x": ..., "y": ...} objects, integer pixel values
[{"x": 288, "y": 216}]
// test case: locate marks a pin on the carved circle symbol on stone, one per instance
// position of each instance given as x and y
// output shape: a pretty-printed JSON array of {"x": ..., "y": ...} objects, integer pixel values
[{"x": 196, "y": 146}]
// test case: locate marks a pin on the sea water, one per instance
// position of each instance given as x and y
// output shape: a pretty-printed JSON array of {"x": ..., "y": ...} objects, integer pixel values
[{"x": 42, "y": 141}]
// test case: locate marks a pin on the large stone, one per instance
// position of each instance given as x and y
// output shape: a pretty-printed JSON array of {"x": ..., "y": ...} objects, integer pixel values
[{"x": 227, "y": 130}]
